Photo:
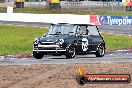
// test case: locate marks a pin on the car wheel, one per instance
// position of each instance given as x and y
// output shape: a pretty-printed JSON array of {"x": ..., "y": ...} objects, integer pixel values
[
  {"x": 38, "y": 55},
  {"x": 71, "y": 52},
  {"x": 100, "y": 52}
]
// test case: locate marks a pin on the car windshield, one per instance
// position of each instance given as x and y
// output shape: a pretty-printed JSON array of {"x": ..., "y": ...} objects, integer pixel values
[{"x": 62, "y": 29}]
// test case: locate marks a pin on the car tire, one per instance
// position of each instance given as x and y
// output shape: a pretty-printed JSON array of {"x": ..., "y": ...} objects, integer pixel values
[
  {"x": 71, "y": 52},
  {"x": 37, "y": 55},
  {"x": 100, "y": 51}
]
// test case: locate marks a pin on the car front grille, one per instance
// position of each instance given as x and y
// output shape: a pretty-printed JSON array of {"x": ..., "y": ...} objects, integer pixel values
[{"x": 48, "y": 43}]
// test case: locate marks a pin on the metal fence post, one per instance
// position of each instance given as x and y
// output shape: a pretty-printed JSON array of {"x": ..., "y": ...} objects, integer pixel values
[
  {"x": 112, "y": 5},
  {"x": 89, "y": 5},
  {"x": 67, "y": 5}
]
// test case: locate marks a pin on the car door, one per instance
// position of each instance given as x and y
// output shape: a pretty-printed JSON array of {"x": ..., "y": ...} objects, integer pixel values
[
  {"x": 94, "y": 37},
  {"x": 83, "y": 39}
]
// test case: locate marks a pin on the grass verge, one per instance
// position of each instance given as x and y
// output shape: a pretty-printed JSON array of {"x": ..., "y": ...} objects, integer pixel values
[
  {"x": 82, "y": 12},
  {"x": 19, "y": 39},
  {"x": 115, "y": 42}
]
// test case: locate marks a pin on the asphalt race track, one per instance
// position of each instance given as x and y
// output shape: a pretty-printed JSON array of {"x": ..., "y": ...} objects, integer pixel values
[
  {"x": 117, "y": 56},
  {"x": 116, "y": 29}
]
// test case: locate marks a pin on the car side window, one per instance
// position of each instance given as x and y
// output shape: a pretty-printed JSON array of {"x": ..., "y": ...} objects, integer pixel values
[
  {"x": 82, "y": 29},
  {"x": 93, "y": 30}
]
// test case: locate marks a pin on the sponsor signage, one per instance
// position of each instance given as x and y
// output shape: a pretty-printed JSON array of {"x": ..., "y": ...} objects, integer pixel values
[
  {"x": 84, "y": 78},
  {"x": 115, "y": 20},
  {"x": 104, "y": 78}
]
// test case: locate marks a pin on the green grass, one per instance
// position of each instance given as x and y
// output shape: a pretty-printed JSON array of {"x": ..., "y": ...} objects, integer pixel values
[
  {"x": 115, "y": 42},
  {"x": 82, "y": 12},
  {"x": 19, "y": 39}
]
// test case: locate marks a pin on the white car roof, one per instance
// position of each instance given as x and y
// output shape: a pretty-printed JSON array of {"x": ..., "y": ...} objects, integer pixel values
[{"x": 77, "y": 23}]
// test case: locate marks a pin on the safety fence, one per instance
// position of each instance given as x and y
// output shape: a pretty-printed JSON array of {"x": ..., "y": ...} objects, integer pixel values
[{"x": 76, "y": 5}]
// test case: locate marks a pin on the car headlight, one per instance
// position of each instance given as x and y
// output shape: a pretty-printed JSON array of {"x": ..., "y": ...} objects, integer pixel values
[
  {"x": 60, "y": 41},
  {"x": 36, "y": 41}
]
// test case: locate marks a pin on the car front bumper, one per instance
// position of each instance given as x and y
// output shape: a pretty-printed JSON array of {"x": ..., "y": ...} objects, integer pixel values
[{"x": 48, "y": 49}]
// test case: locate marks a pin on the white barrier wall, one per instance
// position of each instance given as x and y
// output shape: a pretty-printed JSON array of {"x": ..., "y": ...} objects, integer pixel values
[
  {"x": 46, "y": 18},
  {"x": 3, "y": 16}
]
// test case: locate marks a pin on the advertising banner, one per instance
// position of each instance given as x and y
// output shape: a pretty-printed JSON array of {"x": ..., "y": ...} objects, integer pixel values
[
  {"x": 111, "y": 20},
  {"x": 115, "y": 20},
  {"x": 94, "y": 19}
]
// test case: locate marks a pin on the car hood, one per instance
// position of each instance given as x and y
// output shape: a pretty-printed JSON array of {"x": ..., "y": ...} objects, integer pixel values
[{"x": 53, "y": 38}]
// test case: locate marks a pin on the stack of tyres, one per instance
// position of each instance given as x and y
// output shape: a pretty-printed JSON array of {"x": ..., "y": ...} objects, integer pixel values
[
  {"x": 128, "y": 8},
  {"x": 19, "y": 3},
  {"x": 54, "y": 4},
  {"x": 127, "y": 4}
]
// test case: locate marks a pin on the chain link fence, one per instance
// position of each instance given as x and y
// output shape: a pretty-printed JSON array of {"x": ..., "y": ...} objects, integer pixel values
[
  {"x": 94, "y": 6},
  {"x": 71, "y": 5}
]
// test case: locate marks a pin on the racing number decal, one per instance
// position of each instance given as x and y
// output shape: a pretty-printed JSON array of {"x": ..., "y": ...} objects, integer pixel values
[{"x": 84, "y": 44}]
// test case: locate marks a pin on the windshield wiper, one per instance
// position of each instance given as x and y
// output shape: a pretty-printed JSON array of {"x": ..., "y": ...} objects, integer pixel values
[
  {"x": 51, "y": 34},
  {"x": 57, "y": 33},
  {"x": 71, "y": 32}
]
